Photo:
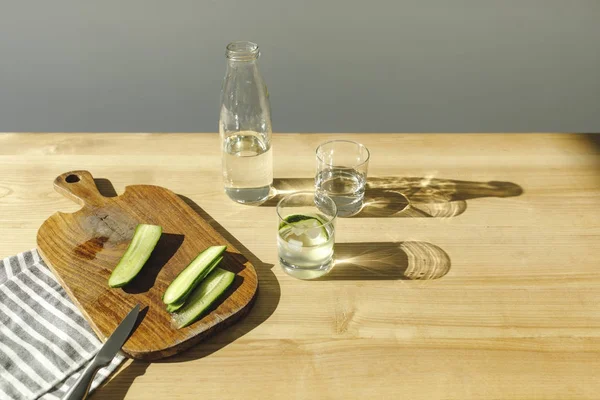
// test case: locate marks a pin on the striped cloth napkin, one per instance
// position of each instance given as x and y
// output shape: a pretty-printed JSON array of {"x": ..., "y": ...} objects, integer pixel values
[{"x": 45, "y": 342}]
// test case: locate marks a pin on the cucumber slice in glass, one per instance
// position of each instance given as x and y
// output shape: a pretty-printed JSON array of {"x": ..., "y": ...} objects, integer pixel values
[{"x": 305, "y": 229}]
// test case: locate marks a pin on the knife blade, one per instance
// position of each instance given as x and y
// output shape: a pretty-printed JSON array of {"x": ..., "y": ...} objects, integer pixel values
[{"x": 107, "y": 352}]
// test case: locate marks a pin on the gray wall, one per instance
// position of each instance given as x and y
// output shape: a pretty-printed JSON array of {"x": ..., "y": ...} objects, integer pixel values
[{"x": 331, "y": 66}]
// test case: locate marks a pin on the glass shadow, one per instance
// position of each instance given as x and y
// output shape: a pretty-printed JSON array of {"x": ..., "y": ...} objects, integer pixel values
[
  {"x": 408, "y": 197},
  {"x": 410, "y": 260}
]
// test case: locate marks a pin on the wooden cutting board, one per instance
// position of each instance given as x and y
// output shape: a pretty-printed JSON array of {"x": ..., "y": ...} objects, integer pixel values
[{"x": 82, "y": 248}]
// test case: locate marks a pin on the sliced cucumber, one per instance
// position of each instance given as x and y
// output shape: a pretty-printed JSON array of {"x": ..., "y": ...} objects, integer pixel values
[
  {"x": 139, "y": 250},
  {"x": 305, "y": 229},
  {"x": 203, "y": 296},
  {"x": 175, "y": 306},
  {"x": 293, "y": 218},
  {"x": 193, "y": 274},
  {"x": 178, "y": 304}
]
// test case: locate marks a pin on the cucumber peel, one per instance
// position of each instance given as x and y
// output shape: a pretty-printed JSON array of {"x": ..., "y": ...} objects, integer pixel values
[
  {"x": 175, "y": 306},
  {"x": 143, "y": 243},
  {"x": 294, "y": 218},
  {"x": 192, "y": 275},
  {"x": 306, "y": 229},
  {"x": 172, "y": 307},
  {"x": 209, "y": 290}
]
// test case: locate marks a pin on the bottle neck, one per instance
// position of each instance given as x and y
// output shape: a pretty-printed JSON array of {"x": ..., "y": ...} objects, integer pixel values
[
  {"x": 237, "y": 64},
  {"x": 242, "y": 51},
  {"x": 243, "y": 72},
  {"x": 244, "y": 97}
]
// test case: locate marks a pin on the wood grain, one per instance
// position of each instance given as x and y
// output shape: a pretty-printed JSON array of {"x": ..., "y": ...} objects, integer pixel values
[
  {"x": 82, "y": 249},
  {"x": 512, "y": 311}
]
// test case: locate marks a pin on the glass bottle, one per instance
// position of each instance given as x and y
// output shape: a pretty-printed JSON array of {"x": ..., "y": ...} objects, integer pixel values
[{"x": 245, "y": 127}]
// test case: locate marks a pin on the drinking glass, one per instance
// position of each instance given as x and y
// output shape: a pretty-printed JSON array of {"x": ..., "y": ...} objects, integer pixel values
[
  {"x": 342, "y": 174},
  {"x": 306, "y": 234}
]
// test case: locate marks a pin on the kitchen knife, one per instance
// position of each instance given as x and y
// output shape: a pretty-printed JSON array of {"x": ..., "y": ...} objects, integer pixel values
[{"x": 104, "y": 357}]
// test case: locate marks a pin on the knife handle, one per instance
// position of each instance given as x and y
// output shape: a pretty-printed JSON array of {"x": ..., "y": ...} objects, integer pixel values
[{"x": 80, "y": 389}]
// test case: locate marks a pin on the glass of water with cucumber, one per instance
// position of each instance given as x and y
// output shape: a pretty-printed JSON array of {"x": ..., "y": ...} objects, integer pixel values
[{"x": 306, "y": 234}]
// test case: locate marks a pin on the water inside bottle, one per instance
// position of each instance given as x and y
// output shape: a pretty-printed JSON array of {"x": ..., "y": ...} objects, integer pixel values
[{"x": 247, "y": 167}]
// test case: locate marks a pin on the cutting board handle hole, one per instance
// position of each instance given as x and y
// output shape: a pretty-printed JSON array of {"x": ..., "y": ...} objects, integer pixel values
[{"x": 72, "y": 178}]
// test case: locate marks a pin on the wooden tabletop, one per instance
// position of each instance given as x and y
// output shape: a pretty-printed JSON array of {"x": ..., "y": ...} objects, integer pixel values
[{"x": 473, "y": 272}]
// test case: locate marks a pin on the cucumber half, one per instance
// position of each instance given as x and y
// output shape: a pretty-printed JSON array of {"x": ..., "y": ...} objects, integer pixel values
[
  {"x": 144, "y": 240},
  {"x": 209, "y": 290},
  {"x": 172, "y": 307},
  {"x": 175, "y": 306},
  {"x": 193, "y": 274}
]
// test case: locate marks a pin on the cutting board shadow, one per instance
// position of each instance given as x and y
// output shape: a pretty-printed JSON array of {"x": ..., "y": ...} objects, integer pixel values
[{"x": 83, "y": 247}]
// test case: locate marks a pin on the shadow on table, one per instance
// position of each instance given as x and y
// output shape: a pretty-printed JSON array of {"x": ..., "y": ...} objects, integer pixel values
[
  {"x": 265, "y": 304},
  {"x": 408, "y": 197},
  {"x": 388, "y": 261},
  {"x": 119, "y": 385}
]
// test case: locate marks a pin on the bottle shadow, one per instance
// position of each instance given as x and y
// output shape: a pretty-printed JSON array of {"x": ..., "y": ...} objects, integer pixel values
[
  {"x": 410, "y": 260},
  {"x": 594, "y": 138},
  {"x": 408, "y": 197},
  {"x": 265, "y": 304}
]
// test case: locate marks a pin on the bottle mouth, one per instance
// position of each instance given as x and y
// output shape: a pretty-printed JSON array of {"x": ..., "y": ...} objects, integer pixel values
[{"x": 242, "y": 50}]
